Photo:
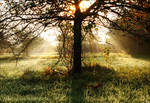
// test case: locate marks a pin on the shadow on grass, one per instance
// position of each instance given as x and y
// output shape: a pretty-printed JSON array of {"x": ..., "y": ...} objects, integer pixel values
[
  {"x": 77, "y": 90},
  {"x": 91, "y": 78},
  {"x": 94, "y": 82},
  {"x": 31, "y": 87}
]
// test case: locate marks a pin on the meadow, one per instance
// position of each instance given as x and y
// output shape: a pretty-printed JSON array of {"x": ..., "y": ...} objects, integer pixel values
[{"x": 119, "y": 78}]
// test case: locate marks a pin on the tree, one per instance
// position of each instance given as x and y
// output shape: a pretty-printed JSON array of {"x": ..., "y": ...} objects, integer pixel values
[
  {"x": 65, "y": 48},
  {"x": 139, "y": 25},
  {"x": 40, "y": 14}
]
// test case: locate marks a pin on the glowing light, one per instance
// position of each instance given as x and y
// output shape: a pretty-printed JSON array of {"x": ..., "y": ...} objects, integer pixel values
[
  {"x": 50, "y": 36},
  {"x": 103, "y": 38},
  {"x": 84, "y": 5},
  {"x": 102, "y": 34},
  {"x": 72, "y": 8}
]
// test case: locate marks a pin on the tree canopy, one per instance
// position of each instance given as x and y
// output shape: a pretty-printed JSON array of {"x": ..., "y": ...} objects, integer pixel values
[{"x": 33, "y": 16}]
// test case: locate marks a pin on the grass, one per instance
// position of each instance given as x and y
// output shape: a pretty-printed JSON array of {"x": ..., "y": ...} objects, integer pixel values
[{"x": 124, "y": 80}]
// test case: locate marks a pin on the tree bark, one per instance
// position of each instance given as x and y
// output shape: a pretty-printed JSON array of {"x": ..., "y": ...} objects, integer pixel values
[{"x": 77, "y": 43}]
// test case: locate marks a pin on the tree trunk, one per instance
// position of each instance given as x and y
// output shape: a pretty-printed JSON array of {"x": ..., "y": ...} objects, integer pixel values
[{"x": 77, "y": 43}]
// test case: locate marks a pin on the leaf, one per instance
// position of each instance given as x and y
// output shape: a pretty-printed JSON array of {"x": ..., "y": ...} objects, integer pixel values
[
  {"x": 1, "y": 4},
  {"x": 45, "y": 30},
  {"x": 105, "y": 12},
  {"x": 96, "y": 29}
]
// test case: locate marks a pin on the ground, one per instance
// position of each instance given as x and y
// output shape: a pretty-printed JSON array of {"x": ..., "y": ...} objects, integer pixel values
[{"x": 121, "y": 78}]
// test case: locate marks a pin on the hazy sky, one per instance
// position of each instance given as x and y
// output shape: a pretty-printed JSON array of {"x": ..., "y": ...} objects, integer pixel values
[{"x": 51, "y": 35}]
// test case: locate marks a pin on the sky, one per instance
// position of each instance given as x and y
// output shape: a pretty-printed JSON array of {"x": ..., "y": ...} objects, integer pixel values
[{"x": 1, "y": 2}]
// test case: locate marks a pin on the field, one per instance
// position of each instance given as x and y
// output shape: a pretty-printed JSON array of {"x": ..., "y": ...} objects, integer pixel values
[{"x": 121, "y": 78}]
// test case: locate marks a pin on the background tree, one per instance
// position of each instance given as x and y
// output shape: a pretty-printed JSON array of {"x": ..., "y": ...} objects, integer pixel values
[
  {"x": 139, "y": 25},
  {"x": 40, "y": 14}
]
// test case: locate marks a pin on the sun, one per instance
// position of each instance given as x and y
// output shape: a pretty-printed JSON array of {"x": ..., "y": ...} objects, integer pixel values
[{"x": 85, "y": 4}]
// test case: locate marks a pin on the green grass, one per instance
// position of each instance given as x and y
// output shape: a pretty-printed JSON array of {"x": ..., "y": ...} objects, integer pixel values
[{"x": 123, "y": 80}]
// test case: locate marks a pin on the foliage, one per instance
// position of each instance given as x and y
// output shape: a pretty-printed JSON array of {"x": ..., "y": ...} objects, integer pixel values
[
  {"x": 65, "y": 48},
  {"x": 139, "y": 25}
]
